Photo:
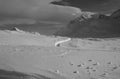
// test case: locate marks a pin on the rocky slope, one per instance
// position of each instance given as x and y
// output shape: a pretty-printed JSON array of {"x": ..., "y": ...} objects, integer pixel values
[{"x": 97, "y": 26}]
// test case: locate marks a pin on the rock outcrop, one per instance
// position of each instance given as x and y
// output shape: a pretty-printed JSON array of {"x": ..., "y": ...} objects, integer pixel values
[{"x": 98, "y": 26}]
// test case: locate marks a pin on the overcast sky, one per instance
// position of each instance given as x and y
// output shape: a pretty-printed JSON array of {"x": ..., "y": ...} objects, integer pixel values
[
  {"x": 23, "y": 7},
  {"x": 37, "y": 9},
  {"x": 98, "y": 5},
  {"x": 102, "y": 6},
  {"x": 43, "y": 10}
]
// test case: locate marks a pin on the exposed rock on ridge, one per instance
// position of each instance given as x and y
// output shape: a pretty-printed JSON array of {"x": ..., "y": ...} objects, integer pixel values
[{"x": 97, "y": 26}]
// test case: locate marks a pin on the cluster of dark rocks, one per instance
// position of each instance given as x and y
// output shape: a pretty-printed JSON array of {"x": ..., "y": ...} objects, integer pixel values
[{"x": 98, "y": 26}]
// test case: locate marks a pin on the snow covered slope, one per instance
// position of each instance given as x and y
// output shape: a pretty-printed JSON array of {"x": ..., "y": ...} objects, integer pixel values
[{"x": 75, "y": 59}]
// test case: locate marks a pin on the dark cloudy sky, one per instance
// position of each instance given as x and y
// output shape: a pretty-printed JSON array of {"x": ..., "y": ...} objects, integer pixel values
[
  {"x": 95, "y": 5},
  {"x": 41, "y": 9},
  {"x": 24, "y": 7},
  {"x": 36, "y": 9}
]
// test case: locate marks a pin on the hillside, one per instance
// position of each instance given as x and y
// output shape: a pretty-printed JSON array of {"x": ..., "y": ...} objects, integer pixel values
[{"x": 97, "y": 26}]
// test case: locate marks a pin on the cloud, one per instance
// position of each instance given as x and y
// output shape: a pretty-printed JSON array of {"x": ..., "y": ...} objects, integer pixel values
[
  {"x": 102, "y": 6},
  {"x": 22, "y": 7},
  {"x": 36, "y": 9}
]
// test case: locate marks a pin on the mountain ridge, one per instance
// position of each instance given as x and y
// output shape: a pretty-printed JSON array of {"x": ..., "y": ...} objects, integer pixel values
[{"x": 97, "y": 26}]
